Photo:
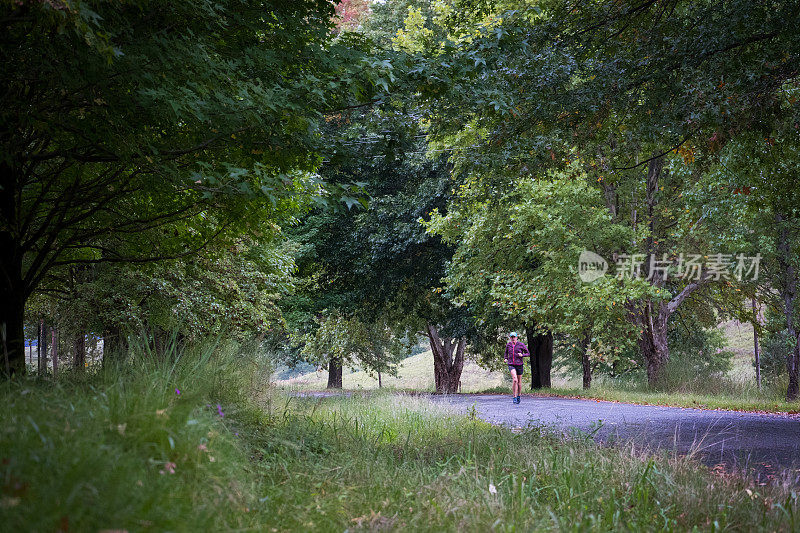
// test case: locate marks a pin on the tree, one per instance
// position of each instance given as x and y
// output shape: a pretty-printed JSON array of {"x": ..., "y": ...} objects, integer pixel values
[
  {"x": 113, "y": 124},
  {"x": 342, "y": 341},
  {"x": 764, "y": 163},
  {"x": 519, "y": 255},
  {"x": 618, "y": 88}
]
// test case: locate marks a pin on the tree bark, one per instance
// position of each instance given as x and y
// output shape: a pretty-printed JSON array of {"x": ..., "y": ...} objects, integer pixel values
[
  {"x": 12, "y": 288},
  {"x": 54, "y": 333},
  {"x": 43, "y": 358},
  {"x": 79, "y": 357},
  {"x": 653, "y": 340},
  {"x": 448, "y": 360},
  {"x": 654, "y": 319},
  {"x": 756, "y": 347},
  {"x": 334, "y": 373},
  {"x": 585, "y": 364},
  {"x": 380, "y": 384},
  {"x": 540, "y": 346},
  {"x": 788, "y": 290}
]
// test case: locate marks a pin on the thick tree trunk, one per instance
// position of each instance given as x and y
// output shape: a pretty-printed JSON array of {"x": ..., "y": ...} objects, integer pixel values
[
  {"x": 12, "y": 316},
  {"x": 448, "y": 360},
  {"x": 54, "y": 333},
  {"x": 12, "y": 289},
  {"x": 540, "y": 346},
  {"x": 43, "y": 358},
  {"x": 334, "y": 373},
  {"x": 788, "y": 290},
  {"x": 79, "y": 347},
  {"x": 653, "y": 340},
  {"x": 653, "y": 319},
  {"x": 380, "y": 383},
  {"x": 585, "y": 364},
  {"x": 756, "y": 347}
]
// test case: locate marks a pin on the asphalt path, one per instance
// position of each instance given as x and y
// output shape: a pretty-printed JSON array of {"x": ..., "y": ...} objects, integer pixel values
[{"x": 765, "y": 444}]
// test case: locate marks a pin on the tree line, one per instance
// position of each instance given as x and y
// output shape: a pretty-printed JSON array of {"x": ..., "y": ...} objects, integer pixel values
[{"x": 341, "y": 181}]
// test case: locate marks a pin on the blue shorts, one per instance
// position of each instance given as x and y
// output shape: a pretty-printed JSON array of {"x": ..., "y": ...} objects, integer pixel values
[{"x": 519, "y": 368}]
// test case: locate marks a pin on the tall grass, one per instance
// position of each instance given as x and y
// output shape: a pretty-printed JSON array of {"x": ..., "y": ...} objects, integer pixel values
[
  {"x": 122, "y": 449},
  {"x": 134, "y": 446},
  {"x": 400, "y": 463}
]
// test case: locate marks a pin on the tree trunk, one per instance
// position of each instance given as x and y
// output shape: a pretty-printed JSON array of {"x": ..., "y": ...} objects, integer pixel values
[
  {"x": 788, "y": 290},
  {"x": 79, "y": 345},
  {"x": 380, "y": 384},
  {"x": 541, "y": 360},
  {"x": 43, "y": 358},
  {"x": 653, "y": 340},
  {"x": 114, "y": 344},
  {"x": 12, "y": 289},
  {"x": 756, "y": 347},
  {"x": 38, "y": 344},
  {"x": 448, "y": 360},
  {"x": 585, "y": 365},
  {"x": 653, "y": 319},
  {"x": 334, "y": 373},
  {"x": 54, "y": 333}
]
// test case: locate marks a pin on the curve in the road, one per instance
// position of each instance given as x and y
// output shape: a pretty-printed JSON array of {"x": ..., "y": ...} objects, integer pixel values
[{"x": 768, "y": 444}]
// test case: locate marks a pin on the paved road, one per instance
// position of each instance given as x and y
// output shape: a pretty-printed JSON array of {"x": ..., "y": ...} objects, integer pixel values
[{"x": 766, "y": 443}]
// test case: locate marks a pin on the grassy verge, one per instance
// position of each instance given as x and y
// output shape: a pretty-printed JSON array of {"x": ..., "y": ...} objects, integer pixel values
[
  {"x": 766, "y": 402},
  {"x": 123, "y": 450},
  {"x": 403, "y": 463}
]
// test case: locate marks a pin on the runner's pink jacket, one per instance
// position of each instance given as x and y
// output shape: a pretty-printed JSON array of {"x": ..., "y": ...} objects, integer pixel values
[{"x": 515, "y": 353}]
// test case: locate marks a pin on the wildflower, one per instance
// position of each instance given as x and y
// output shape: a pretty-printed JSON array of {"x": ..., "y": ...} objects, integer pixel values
[
  {"x": 202, "y": 447},
  {"x": 492, "y": 489},
  {"x": 219, "y": 411},
  {"x": 169, "y": 468},
  {"x": 178, "y": 392}
]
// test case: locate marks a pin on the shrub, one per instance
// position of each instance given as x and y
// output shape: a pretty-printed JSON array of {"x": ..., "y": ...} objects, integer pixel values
[{"x": 776, "y": 346}]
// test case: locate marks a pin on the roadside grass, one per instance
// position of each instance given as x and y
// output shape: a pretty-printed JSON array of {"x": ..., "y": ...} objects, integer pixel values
[
  {"x": 392, "y": 462},
  {"x": 122, "y": 450},
  {"x": 415, "y": 373}
]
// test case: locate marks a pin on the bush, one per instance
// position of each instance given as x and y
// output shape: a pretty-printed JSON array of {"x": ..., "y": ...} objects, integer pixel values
[{"x": 776, "y": 346}]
